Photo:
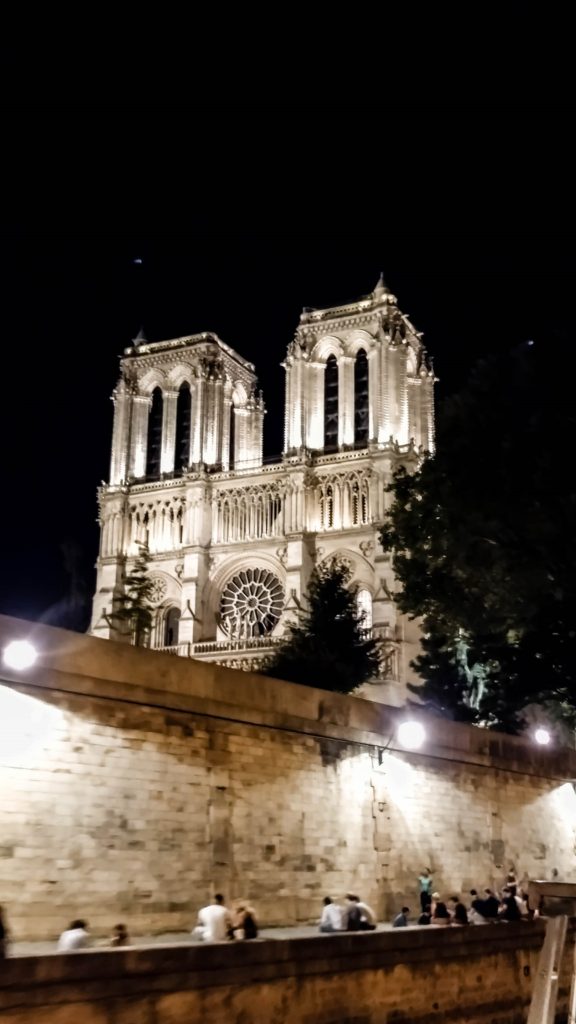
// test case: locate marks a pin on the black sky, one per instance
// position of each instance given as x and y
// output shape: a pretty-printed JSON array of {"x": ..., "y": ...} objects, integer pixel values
[{"x": 72, "y": 303}]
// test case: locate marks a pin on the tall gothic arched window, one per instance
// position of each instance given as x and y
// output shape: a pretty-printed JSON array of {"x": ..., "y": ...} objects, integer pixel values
[
  {"x": 154, "y": 436},
  {"x": 232, "y": 436},
  {"x": 183, "y": 411},
  {"x": 361, "y": 400},
  {"x": 331, "y": 404},
  {"x": 171, "y": 624}
]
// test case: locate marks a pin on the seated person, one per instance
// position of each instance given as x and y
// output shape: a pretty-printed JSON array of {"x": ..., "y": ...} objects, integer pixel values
[
  {"x": 332, "y": 919},
  {"x": 244, "y": 921},
  {"x": 120, "y": 936},
  {"x": 214, "y": 921},
  {"x": 509, "y": 910},
  {"x": 458, "y": 911},
  {"x": 401, "y": 919},
  {"x": 491, "y": 905},
  {"x": 360, "y": 917},
  {"x": 75, "y": 937},
  {"x": 440, "y": 915}
]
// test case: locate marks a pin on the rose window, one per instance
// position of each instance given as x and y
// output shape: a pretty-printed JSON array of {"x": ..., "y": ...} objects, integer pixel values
[
  {"x": 252, "y": 603},
  {"x": 157, "y": 590}
]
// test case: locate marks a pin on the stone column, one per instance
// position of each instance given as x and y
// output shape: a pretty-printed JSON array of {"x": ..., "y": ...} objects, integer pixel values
[
  {"x": 217, "y": 416},
  {"x": 241, "y": 454},
  {"x": 346, "y": 399},
  {"x": 402, "y": 384},
  {"x": 197, "y": 425},
  {"x": 258, "y": 435},
  {"x": 140, "y": 414},
  {"x": 374, "y": 390},
  {"x": 385, "y": 369},
  {"x": 314, "y": 405},
  {"x": 414, "y": 405},
  {"x": 120, "y": 433},
  {"x": 288, "y": 403},
  {"x": 297, "y": 409},
  {"x": 427, "y": 400},
  {"x": 228, "y": 411},
  {"x": 168, "y": 449}
]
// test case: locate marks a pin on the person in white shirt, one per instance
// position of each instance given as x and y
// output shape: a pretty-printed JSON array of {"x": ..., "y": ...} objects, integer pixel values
[
  {"x": 214, "y": 921},
  {"x": 332, "y": 919},
  {"x": 75, "y": 937}
]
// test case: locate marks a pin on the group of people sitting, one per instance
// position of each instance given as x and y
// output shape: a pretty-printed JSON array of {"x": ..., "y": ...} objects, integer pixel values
[
  {"x": 216, "y": 923},
  {"x": 510, "y": 904},
  {"x": 353, "y": 916}
]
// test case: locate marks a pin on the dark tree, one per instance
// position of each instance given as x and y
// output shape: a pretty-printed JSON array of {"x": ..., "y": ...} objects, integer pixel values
[
  {"x": 328, "y": 646},
  {"x": 132, "y": 615},
  {"x": 484, "y": 545}
]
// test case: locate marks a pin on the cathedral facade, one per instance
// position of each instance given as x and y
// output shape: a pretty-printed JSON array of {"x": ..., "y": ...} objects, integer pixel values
[{"x": 233, "y": 539}]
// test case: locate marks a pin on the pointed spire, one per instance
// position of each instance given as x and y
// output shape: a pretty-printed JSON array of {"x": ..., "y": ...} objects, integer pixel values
[
  {"x": 140, "y": 338},
  {"x": 381, "y": 286}
]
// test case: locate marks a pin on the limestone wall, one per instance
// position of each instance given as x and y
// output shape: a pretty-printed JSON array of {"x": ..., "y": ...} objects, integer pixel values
[
  {"x": 473, "y": 976},
  {"x": 134, "y": 784}
]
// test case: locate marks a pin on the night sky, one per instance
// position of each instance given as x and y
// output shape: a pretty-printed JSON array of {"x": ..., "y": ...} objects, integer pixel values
[{"x": 71, "y": 305}]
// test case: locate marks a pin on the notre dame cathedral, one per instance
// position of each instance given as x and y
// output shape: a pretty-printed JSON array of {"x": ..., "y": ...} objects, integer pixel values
[{"x": 233, "y": 539}]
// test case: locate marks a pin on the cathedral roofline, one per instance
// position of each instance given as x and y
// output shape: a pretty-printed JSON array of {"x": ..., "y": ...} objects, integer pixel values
[
  {"x": 186, "y": 341},
  {"x": 381, "y": 296}
]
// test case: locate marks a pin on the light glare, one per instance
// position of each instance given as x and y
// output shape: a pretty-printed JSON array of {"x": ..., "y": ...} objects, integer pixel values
[
  {"x": 20, "y": 654},
  {"x": 542, "y": 736},
  {"x": 411, "y": 735}
]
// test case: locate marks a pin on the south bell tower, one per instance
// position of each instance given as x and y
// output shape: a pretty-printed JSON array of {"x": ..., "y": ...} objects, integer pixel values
[{"x": 233, "y": 541}]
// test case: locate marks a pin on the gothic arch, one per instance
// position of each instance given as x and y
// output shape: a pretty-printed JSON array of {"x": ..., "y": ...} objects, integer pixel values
[
  {"x": 361, "y": 569},
  {"x": 326, "y": 347},
  {"x": 231, "y": 565},
  {"x": 170, "y": 625},
  {"x": 358, "y": 340},
  {"x": 152, "y": 379},
  {"x": 411, "y": 362},
  {"x": 181, "y": 374},
  {"x": 239, "y": 395}
]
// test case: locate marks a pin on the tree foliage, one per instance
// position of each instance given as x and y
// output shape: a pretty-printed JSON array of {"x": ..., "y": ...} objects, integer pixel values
[
  {"x": 327, "y": 646},
  {"x": 132, "y": 615},
  {"x": 484, "y": 547}
]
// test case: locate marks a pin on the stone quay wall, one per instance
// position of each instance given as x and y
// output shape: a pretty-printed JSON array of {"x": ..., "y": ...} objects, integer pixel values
[
  {"x": 421, "y": 976},
  {"x": 134, "y": 784}
]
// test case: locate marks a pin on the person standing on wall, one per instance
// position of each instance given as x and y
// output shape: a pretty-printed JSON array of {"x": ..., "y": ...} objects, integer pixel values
[{"x": 425, "y": 883}]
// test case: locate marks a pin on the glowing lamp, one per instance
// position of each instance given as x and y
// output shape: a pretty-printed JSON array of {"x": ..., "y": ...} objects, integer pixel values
[
  {"x": 411, "y": 735},
  {"x": 20, "y": 654},
  {"x": 543, "y": 737}
]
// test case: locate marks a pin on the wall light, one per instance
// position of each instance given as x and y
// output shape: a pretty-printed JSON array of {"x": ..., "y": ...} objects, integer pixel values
[
  {"x": 543, "y": 737},
  {"x": 19, "y": 654},
  {"x": 411, "y": 735}
]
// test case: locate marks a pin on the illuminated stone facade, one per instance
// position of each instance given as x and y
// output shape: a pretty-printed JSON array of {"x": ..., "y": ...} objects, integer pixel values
[
  {"x": 233, "y": 540},
  {"x": 136, "y": 784}
]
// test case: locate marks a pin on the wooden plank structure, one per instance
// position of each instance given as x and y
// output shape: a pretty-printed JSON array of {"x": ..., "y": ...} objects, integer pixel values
[{"x": 545, "y": 992}]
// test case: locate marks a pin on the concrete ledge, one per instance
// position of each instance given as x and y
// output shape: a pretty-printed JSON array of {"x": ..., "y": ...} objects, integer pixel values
[
  {"x": 104, "y": 973},
  {"x": 85, "y": 665}
]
